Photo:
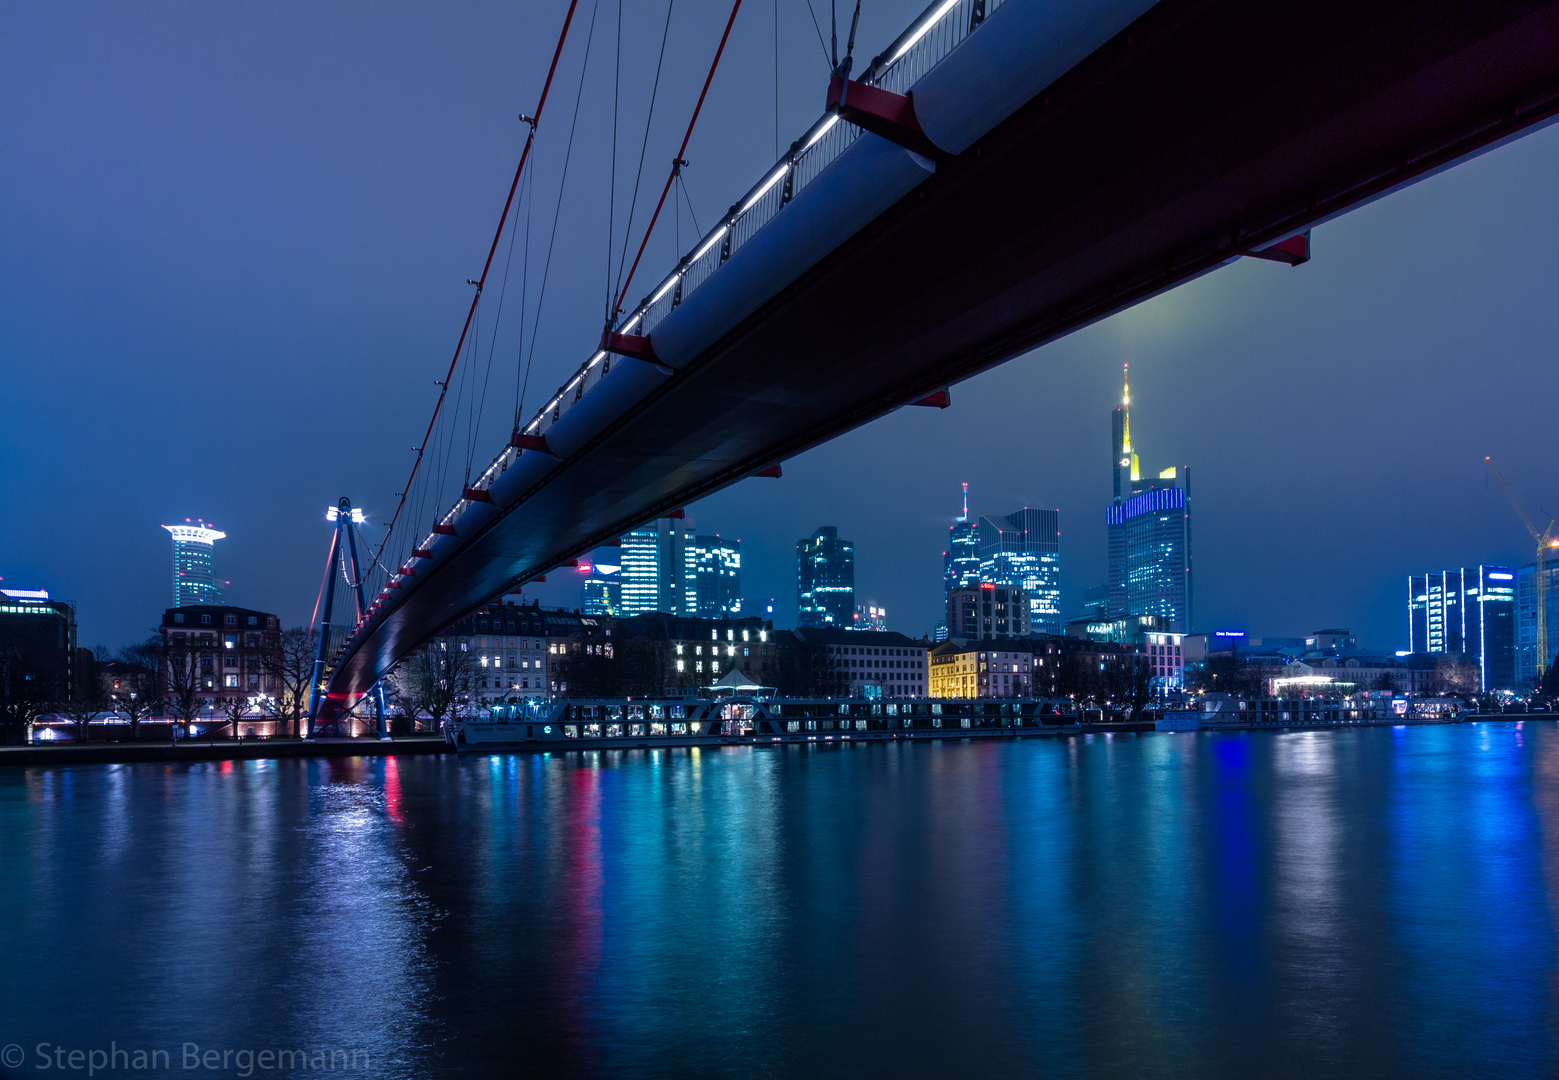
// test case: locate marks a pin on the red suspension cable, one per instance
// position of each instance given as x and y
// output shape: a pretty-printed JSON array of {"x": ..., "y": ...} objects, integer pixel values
[
  {"x": 617, "y": 308},
  {"x": 471, "y": 314}
]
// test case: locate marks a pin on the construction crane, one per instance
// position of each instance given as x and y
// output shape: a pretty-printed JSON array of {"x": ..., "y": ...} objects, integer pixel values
[{"x": 1545, "y": 541}]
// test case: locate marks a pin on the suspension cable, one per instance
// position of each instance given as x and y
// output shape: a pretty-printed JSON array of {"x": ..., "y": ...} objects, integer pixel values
[
  {"x": 503, "y": 292},
  {"x": 611, "y": 200},
  {"x": 557, "y": 210},
  {"x": 680, "y": 151},
  {"x": 633, "y": 203},
  {"x": 497, "y": 234}
]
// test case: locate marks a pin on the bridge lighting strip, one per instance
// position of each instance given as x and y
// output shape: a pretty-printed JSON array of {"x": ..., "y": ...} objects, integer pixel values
[
  {"x": 773, "y": 179},
  {"x": 925, "y": 27},
  {"x": 827, "y": 125},
  {"x": 714, "y": 238},
  {"x": 666, "y": 288}
]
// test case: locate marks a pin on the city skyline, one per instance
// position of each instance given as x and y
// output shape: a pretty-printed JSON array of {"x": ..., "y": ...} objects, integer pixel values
[{"x": 1286, "y": 387}]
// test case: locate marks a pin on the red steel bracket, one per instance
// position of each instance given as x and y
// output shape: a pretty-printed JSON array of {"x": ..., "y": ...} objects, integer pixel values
[
  {"x": 1293, "y": 251},
  {"x": 882, "y": 112},
  {"x": 939, "y": 400},
  {"x": 444, "y": 530},
  {"x": 477, "y": 495},
  {"x": 773, "y": 470},
  {"x": 636, "y": 348},
  {"x": 537, "y": 443}
]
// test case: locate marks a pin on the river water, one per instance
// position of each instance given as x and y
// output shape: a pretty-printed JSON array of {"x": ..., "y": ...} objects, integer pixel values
[{"x": 1364, "y": 903}]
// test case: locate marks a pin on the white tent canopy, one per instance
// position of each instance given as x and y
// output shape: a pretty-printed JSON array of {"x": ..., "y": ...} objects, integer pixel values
[{"x": 735, "y": 680}]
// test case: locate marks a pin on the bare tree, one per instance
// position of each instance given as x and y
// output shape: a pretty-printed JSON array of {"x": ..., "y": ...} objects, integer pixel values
[
  {"x": 436, "y": 680},
  {"x": 1226, "y": 672},
  {"x": 87, "y": 697},
  {"x": 136, "y": 709},
  {"x": 182, "y": 679},
  {"x": 1127, "y": 681},
  {"x": 141, "y": 686},
  {"x": 291, "y": 664},
  {"x": 26, "y": 690},
  {"x": 1077, "y": 677},
  {"x": 1456, "y": 674},
  {"x": 236, "y": 708}
]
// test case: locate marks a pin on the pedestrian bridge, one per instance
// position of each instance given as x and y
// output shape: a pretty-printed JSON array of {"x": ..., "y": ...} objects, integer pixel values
[{"x": 1003, "y": 173}]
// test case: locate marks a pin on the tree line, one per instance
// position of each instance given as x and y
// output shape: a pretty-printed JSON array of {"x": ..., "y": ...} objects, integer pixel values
[{"x": 157, "y": 677}]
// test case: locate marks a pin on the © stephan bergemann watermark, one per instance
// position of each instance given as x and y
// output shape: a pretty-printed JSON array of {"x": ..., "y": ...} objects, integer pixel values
[{"x": 187, "y": 1057}]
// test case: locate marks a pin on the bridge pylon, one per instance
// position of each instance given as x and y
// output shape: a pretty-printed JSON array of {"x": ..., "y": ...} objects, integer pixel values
[{"x": 342, "y": 560}]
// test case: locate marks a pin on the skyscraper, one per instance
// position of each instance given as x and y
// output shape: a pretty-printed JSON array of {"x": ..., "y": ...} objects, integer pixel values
[
  {"x": 1023, "y": 550},
  {"x": 962, "y": 561},
  {"x": 656, "y": 568},
  {"x": 603, "y": 589},
  {"x": 1526, "y": 621},
  {"x": 716, "y": 589},
  {"x": 1469, "y": 612},
  {"x": 1149, "y": 530},
  {"x": 825, "y": 579},
  {"x": 194, "y": 579}
]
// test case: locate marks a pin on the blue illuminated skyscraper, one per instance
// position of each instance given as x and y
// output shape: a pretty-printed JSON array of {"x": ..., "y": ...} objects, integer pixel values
[
  {"x": 1023, "y": 550},
  {"x": 194, "y": 577},
  {"x": 1149, "y": 530},
  {"x": 825, "y": 580},
  {"x": 603, "y": 589},
  {"x": 656, "y": 568},
  {"x": 1469, "y": 612},
  {"x": 961, "y": 564},
  {"x": 716, "y": 588}
]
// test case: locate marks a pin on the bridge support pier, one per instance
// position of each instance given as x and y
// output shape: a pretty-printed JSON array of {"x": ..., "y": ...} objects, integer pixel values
[{"x": 343, "y": 557}]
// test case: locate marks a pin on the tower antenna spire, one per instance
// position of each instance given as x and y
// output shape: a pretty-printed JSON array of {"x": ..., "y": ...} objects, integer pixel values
[
  {"x": 1126, "y": 408},
  {"x": 966, "y": 502}
]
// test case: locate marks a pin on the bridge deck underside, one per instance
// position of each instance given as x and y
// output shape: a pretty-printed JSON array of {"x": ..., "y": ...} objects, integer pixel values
[{"x": 1210, "y": 127}]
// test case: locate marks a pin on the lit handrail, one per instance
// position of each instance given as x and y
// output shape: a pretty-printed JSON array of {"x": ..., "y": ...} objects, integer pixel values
[{"x": 925, "y": 42}]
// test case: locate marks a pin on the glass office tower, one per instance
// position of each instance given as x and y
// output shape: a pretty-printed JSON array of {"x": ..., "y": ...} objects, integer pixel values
[
  {"x": 825, "y": 580},
  {"x": 603, "y": 590},
  {"x": 1470, "y": 612},
  {"x": 657, "y": 568},
  {"x": 1526, "y": 622},
  {"x": 1023, "y": 550},
  {"x": 961, "y": 563},
  {"x": 194, "y": 578},
  {"x": 1148, "y": 529},
  {"x": 716, "y": 587}
]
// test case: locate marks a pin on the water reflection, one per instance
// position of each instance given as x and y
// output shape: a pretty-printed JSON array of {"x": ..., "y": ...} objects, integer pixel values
[{"x": 1360, "y": 903}]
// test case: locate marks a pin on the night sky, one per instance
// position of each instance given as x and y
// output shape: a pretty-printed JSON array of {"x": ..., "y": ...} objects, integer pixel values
[{"x": 234, "y": 241}]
